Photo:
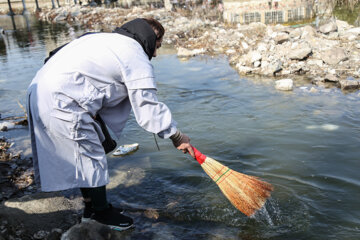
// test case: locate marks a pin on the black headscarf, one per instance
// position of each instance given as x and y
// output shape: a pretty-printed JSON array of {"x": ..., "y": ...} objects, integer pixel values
[{"x": 139, "y": 30}]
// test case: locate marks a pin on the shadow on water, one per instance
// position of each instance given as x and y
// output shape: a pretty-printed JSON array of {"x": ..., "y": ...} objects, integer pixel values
[{"x": 2, "y": 45}]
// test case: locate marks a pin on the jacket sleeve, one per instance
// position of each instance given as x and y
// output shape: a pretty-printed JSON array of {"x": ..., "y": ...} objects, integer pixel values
[{"x": 152, "y": 115}]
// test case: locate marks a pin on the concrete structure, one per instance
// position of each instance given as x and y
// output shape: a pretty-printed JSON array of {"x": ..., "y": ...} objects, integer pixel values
[
  {"x": 31, "y": 4},
  {"x": 270, "y": 11}
]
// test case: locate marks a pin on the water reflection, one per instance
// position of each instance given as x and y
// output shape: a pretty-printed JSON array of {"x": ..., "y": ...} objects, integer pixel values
[
  {"x": 25, "y": 31},
  {"x": 2, "y": 43}
]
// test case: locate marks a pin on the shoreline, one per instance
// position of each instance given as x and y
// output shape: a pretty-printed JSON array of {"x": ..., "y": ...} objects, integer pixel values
[{"x": 327, "y": 55}]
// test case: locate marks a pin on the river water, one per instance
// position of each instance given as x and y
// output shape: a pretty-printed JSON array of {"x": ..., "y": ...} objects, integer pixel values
[{"x": 306, "y": 144}]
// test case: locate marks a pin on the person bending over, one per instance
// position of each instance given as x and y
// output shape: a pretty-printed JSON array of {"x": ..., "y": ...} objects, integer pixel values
[{"x": 105, "y": 75}]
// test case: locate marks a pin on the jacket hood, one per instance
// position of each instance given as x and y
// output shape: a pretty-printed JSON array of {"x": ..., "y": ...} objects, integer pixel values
[{"x": 139, "y": 30}]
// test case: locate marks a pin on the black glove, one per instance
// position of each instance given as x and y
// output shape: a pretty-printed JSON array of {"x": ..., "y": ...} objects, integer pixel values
[{"x": 178, "y": 138}]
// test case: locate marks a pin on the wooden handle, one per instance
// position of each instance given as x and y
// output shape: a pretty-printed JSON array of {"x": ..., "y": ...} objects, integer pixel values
[{"x": 199, "y": 156}]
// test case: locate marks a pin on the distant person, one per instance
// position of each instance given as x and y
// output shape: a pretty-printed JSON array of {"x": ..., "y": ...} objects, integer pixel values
[{"x": 105, "y": 74}]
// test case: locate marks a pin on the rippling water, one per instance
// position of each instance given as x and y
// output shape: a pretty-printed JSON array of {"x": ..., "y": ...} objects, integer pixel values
[{"x": 305, "y": 144}]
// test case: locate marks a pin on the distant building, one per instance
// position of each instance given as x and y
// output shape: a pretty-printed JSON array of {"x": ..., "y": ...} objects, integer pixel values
[{"x": 270, "y": 11}]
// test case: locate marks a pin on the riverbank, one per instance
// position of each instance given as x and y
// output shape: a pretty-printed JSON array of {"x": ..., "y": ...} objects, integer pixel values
[
  {"x": 26, "y": 213},
  {"x": 327, "y": 54}
]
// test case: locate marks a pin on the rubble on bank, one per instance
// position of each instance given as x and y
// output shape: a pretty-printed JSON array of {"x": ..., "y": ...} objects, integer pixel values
[
  {"x": 16, "y": 173},
  {"x": 329, "y": 53}
]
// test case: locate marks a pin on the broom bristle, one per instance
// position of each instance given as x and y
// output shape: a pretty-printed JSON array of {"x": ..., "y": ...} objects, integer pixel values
[{"x": 246, "y": 193}]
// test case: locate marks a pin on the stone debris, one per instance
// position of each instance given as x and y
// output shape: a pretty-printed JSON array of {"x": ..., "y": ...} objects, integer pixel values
[
  {"x": 265, "y": 50},
  {"x": 284, "y": 84}
]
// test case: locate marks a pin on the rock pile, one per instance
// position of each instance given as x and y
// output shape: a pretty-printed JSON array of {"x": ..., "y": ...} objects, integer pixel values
[{"x": 329, "y": 53}]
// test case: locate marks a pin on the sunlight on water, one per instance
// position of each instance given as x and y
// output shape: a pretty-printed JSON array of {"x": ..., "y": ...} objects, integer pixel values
[{"x": 325, "y": 127}]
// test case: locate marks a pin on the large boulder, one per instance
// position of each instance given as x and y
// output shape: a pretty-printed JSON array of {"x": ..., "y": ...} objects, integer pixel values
[
  {"x": 300, "y": 52},
  {"x": 334, "y": 56},
  {"x": 349, "y": 84}
]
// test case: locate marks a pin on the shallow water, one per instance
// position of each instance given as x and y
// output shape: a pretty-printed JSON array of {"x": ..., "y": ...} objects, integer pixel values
[{"x": 305, "y": 144}]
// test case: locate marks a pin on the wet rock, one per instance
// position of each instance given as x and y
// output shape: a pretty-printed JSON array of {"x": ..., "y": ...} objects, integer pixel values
[
  {"x": 284, "y": 84},
  {"x": 331, "y": 78},
  {"x": 328, "y": 27},
  {"x": 91, "y": 230},
  {"x": 55, "y": 234},
  {"x": 40, "y": 234},
  {"x": 349, "y": 84},
  {"x": 333, "y": 56}
]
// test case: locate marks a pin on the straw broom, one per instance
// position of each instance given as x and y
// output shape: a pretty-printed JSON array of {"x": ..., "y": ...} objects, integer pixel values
[{"x": 247, "y": 193}]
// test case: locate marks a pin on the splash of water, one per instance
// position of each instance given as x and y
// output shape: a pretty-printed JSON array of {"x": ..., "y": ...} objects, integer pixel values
[{"x": 270, "y": 213}]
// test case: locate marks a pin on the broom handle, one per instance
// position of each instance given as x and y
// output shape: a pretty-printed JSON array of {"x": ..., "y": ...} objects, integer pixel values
[{"x": 199, "y": 156}]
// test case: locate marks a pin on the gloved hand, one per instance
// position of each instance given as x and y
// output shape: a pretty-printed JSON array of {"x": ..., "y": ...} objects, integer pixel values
[
  {"x": 182, "y": 142},
  {"x": 178, "y": 138}
]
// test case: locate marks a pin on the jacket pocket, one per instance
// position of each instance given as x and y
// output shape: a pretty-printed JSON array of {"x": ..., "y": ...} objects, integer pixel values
[{"x": 62, "y": 123}]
